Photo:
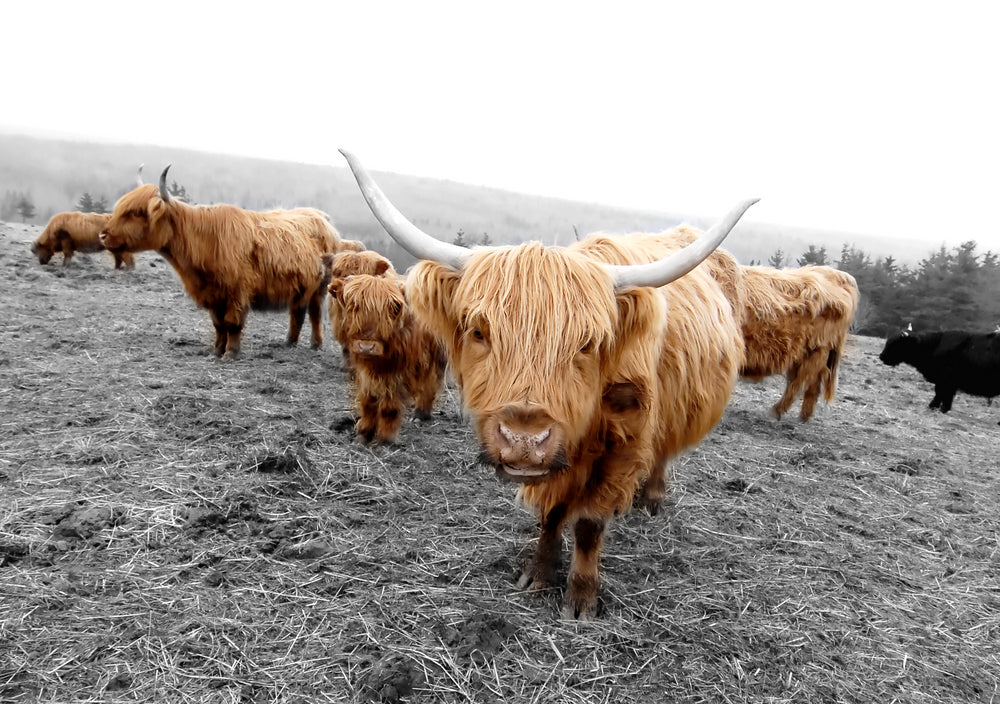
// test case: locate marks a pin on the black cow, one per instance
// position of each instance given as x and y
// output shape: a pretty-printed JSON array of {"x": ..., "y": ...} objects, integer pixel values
[{"x": 952, "y": 360}]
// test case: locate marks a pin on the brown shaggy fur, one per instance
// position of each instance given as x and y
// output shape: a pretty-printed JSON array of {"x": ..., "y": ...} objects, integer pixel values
[
  {"x": 352, "y": 246},
  {"x": 231, "y": 260},
  {"x": 580, "y": 392},
  {"x": 394, "y": 357},
  {"x": 76, "y": 232},
  {"x": 796, "y": 323},
  {"x": 347, "y": 263}
]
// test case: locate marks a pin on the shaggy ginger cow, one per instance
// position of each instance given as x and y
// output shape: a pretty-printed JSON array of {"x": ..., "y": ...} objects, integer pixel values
[
  {"x": 394, "y": 357},
  {"x": 795, "y": 322},
  {"x": 348, "y": 263},
  {"x": 75, "y": 232},
  {"x": 583, "y": 370},
  {"x": 230, "y": 259}
]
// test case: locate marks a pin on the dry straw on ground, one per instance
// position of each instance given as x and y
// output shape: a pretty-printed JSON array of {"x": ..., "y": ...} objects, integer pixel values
[{"x": 173, "y": 528}]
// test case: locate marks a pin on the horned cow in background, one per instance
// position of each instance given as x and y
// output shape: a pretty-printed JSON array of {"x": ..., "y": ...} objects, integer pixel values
[
  {"x": 584, "y": 372},
  {"x": 952, "y": 360},
  {"x": 231, "y": 260},
  {"x": 75, "y": 232},
  {"x": 795, "y": 322},
  {"x": 395, "y": 358}
]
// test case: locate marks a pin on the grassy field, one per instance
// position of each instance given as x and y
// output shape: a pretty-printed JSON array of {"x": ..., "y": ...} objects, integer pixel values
[{"x": 174, "y": 528}]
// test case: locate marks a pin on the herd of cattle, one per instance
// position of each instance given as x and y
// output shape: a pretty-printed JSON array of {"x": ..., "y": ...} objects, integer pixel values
[{"x": 585, "y": 368}]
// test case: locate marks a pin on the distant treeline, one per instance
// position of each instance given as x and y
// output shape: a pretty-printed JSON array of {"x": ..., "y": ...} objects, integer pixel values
[{"x": 957, "y": 288}]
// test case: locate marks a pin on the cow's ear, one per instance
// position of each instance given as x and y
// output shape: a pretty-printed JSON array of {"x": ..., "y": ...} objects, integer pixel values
[
  {"x": 336, "y": 289},
  {"x": 156, "y": 209},
  {"x": 381, "y": 266},
  {"x": 642, "y": 314},
  {"x": 430, "y": 290}
]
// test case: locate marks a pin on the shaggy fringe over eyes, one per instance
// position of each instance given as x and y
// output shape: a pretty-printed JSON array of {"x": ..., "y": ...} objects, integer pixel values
[
  {"x": 549, "y": 294},
  {"x": 369, "y": 298}
]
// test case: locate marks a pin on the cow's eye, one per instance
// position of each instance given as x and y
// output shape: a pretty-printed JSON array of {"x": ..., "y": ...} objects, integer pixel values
[
  {"x": 587, "y": 347},
  {"x": 478, "y": 335}
]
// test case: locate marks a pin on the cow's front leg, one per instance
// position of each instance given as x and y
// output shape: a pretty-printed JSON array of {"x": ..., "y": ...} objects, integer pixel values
[
  {"x": 221, "y": 335},
  {"x": 390, "y": 417},
  {"x": 584, "y": 580},
  {"x": 793, "y": 385},
  {"x": 945, "y": 395},
  {"x": 540, "y": 572},
  {"x": 368, "y": 405},
  {"x": 67, "y": 250}
]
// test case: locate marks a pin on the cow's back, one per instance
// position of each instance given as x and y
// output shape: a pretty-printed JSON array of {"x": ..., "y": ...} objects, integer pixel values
[{"x": 700, "y": 350}]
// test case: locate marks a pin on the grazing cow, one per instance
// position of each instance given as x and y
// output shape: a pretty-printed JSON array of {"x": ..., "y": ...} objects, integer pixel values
[
  {"x": 583, "y": 371},
  {"x": 795, "y": 322},
  {"x": 230, "y": 259},
  {"x": 344, "y": 264},
  {"x": 75, "y": 232},
  {"x": 952, "y": 360},
  {"x": 394, "y": 357}
]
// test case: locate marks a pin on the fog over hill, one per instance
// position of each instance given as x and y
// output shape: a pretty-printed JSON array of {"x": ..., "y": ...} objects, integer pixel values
[{"x": 54, "y": 173}]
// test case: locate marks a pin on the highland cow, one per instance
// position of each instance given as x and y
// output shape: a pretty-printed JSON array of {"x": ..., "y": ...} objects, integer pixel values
[
  {"x": 795, "y": 322},
  {"x": 952, "y": 360},
  {"x": 76, "y": 232},
  {"x": 394, "y": 357},
  {"x": 344, "y": 264},
  {"x": 585, "y": 373},
  {"x": 232, "y": 260}
]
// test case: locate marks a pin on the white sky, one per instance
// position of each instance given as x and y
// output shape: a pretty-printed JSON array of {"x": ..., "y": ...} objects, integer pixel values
[{"x": 865, "y": 117}]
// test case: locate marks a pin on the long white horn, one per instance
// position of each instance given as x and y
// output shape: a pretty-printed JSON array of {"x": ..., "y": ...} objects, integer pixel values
[
  {"x": 164, "y": 194},
  {"x": 138, "y": 176},
  {"x": 409, "y": 236},
  {"x": 662, "y": 272}
]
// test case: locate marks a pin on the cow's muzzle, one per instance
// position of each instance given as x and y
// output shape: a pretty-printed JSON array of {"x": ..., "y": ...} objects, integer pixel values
[
  {"x": 368, "y": 348},
  {"x": 524, "y": 445}
]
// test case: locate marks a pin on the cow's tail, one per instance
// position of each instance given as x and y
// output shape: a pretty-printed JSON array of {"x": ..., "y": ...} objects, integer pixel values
[{"x": 828, "y": 379}]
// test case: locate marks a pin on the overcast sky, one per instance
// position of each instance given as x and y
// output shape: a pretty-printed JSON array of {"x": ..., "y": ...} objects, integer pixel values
[{"x": 864, "y": 117}]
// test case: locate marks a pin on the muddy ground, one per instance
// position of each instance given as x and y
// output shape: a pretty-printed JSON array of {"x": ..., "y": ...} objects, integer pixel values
[{"x": 176, "y": 528}]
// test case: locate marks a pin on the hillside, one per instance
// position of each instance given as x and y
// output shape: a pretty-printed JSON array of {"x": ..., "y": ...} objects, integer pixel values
[{"x": 55, "y": 173}]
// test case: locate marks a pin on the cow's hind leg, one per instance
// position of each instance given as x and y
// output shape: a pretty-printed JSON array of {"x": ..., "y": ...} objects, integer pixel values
[
  {"x": 654, "y": 491},
  {"x": 540, "y": 572},
  {"x": 234, "y": 332},
  {"x": 584, "y": 580},
  {"x": 814, "y": 371},
  {"x": 296, "y": 317},
  {"x": 424, "y": 389},
  {"x": 316, "y": 321}
]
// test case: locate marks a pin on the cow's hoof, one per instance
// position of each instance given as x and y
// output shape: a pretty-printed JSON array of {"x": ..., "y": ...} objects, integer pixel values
[
  {"x": 580, "y": 603},
  {"x": 534, "y": 579},
  {"x": 651, "y": 504}
]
